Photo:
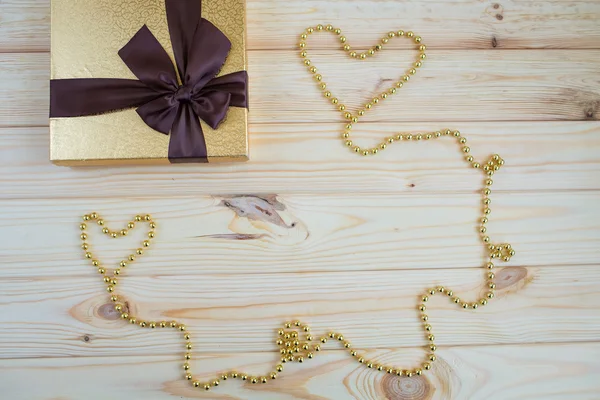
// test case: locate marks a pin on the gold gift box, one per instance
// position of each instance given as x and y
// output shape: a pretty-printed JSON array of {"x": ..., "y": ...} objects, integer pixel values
[{"x": 86, "y": 38}]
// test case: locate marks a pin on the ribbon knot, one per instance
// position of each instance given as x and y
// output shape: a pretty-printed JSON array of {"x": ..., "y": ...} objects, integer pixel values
[
  {"x": 200, "y": 51},
  {"x": 183, "y": 94}
]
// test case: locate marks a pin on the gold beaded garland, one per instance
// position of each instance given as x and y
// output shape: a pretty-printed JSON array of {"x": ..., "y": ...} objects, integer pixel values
[{"x": 294, "y": 340}]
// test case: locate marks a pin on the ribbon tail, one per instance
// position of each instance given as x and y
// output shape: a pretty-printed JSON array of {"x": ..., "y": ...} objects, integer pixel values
[
  {"x": 187, "y": 142},
  {"x": 84, "y": 97}
]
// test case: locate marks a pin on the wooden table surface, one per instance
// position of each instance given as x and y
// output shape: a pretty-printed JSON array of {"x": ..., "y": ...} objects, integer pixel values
[{"x": 308, "y": 230}]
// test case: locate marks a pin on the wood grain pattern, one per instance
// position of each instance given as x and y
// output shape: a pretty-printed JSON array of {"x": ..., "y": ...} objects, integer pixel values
[
  {"x": 312, "y": 233},
  {"x": 307, "y": 230},
  {"x": 536, "y": 372},
  {"x": 241, "y": 313},
  {"x": 466, "y": 24},
  {"x": 483, "y": 86},
  {"x": 309, "y": 158}
]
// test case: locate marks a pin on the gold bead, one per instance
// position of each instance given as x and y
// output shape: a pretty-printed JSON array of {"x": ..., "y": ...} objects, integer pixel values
[
  {"x": 356, "y": 149},
  {"x": 146, "y": 243},
  {"x": 181, "y": 327},
  {"x": 188, "y": 346},
  {"x": 490, "y": 295},
  {"x": 310, "y": 30},
  {"x": 391, "y": 34},
  {"x": 349, "y": 143},
  {"x": 319, "y": 27},
  {"x": 424, "y": 299},
  {"x": 365, "y": 153},
  {"x": 234, "y": 375},
  {"x": 152, "y": 325},
  {"x": 279, "y": 368},
  {"x": 349, "y": 127},
  {"x": 101, "y": 271},
  {"x": 105, "y": 231},
  {"x": 450, "y": 293},
  {"x": 107, "y": 280},
  {"x": 329, "y": 28},
  {"x": 138, "y": 218},
  {"x": 131, "y": 258},
  {"x": 83, "y": 227},
  {"x": 313, "y": 69},
  {"x": 303, "y": 54},
  {"x": 483, "y": 302},
  {"x": 337, "y": 31},
  {"x": 302, "y": 45},
  {"x": 412, "y": 71},
  {"x": 474, "y": 306},
  {"x": 189, "y": 377},
  {"x": 123, "y": 232},
  {"x": 418, "y": 64},
  {"x": 384, "y": 40},
  {"x": 327, "y": 94},
  {"x": 83, "y": 236},
  {"x": 215, "y": 382},
  {"x": 371, "y": 52},
  {"x": 427, "y": 366},
  {"x": 173, "y": 324},
  {"x": 370, "y": 365},
  {"x": 354, "y": 120},
  {"x": 110, "y": 289},
  {"x": 254, "y": 380},
  {"x": 456, "y": 300},
  {"x": 343, "y": 39},
  {"x": 307, "y": 62},
  {"x": 410, "y": 34},
  {"x": 142, "y": 324},
  {"x": 422, "y": 56},
  {"x": 318, "y": 78},
  {"x": 383, "y": 146},
  {"x": 304, "y": 36},
  {"x": 207, "y": 387},
  {"x": 399, "y": 84},
  {"x": 334, "y": 100},
  {"x": 432, "y": 347},
  {"x": 465, "y": 306},
  {"x": 273, "y": 375},
  {"x": 431, "y": 356},
  {"x": 476, "y": 165},
  {"x": 422, "y": 47},
  {"x": 86, "y": 217},
  {"x": 406, "y": 78},
  {"x": 196, "y": 383},
  {"x": 114, "y": 235},
  {"x": 363, "y": 56},
  {"x": 347, "y": 47},
  {"x": 418, "y": 39},
  {"x": 244, "y": 377},
  {"x": 341, "y": 107},
  {"x": 378, "y": 47},
  {"x": 88, "y": 255},
  {"x": 353, "y": 54},
  {"x": 384, "y": 96},
  {"x": 361, "y": 112},
  {"x": 424, "y": 317},
  {"x": 400, "y": 33},
  {"x": 93, "y": 215}
]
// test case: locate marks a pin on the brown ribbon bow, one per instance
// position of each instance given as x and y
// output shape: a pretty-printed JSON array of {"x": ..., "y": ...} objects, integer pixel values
[{"x": 200, "y": 51}]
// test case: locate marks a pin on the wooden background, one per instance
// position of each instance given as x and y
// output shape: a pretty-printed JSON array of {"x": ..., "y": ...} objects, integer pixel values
[{"x": 316, "y": 233}]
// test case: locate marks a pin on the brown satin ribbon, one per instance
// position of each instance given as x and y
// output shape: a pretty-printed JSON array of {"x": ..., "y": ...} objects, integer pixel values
[{"x": 200, "y": 51}]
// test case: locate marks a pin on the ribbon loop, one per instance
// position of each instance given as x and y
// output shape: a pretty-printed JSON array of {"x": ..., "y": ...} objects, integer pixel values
[{"x": 200, "y": 51}]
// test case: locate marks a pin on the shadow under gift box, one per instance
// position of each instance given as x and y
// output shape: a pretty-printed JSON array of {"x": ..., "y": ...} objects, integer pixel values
[{"x": 86, "y": 38}]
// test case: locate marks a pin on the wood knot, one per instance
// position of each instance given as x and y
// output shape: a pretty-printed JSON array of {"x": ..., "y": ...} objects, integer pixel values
[
  {"x": 509, "y": 276},
  {"x": 494, "y": 41},
  {"x": 86, "y": 338},
  {"x": 405, "y": 388},
  {"x": 108, "y": 312}
]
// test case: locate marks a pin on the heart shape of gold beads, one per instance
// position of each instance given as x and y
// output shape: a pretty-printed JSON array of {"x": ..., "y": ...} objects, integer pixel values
[
  {"x": 111, "y": 281},
  {"x": 354, "y": 117}
]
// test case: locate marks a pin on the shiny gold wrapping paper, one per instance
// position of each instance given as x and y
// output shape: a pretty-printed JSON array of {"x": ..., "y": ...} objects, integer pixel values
[{"x": 86, "y": 37}]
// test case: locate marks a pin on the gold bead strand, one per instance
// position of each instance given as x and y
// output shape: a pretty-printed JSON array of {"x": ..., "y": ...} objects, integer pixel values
[{"x": 353, "y": 118}]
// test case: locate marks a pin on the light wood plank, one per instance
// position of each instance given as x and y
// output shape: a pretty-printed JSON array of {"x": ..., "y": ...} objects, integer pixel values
[
  {"x": 482, "y": 86},
  {"x": 463, "y": 24},
  {"x": 73, "y": 316},
  {"x": 544, "y": 372},
  {"x": 250, "y": 234},
  {"x": 300, "y": 158}
]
